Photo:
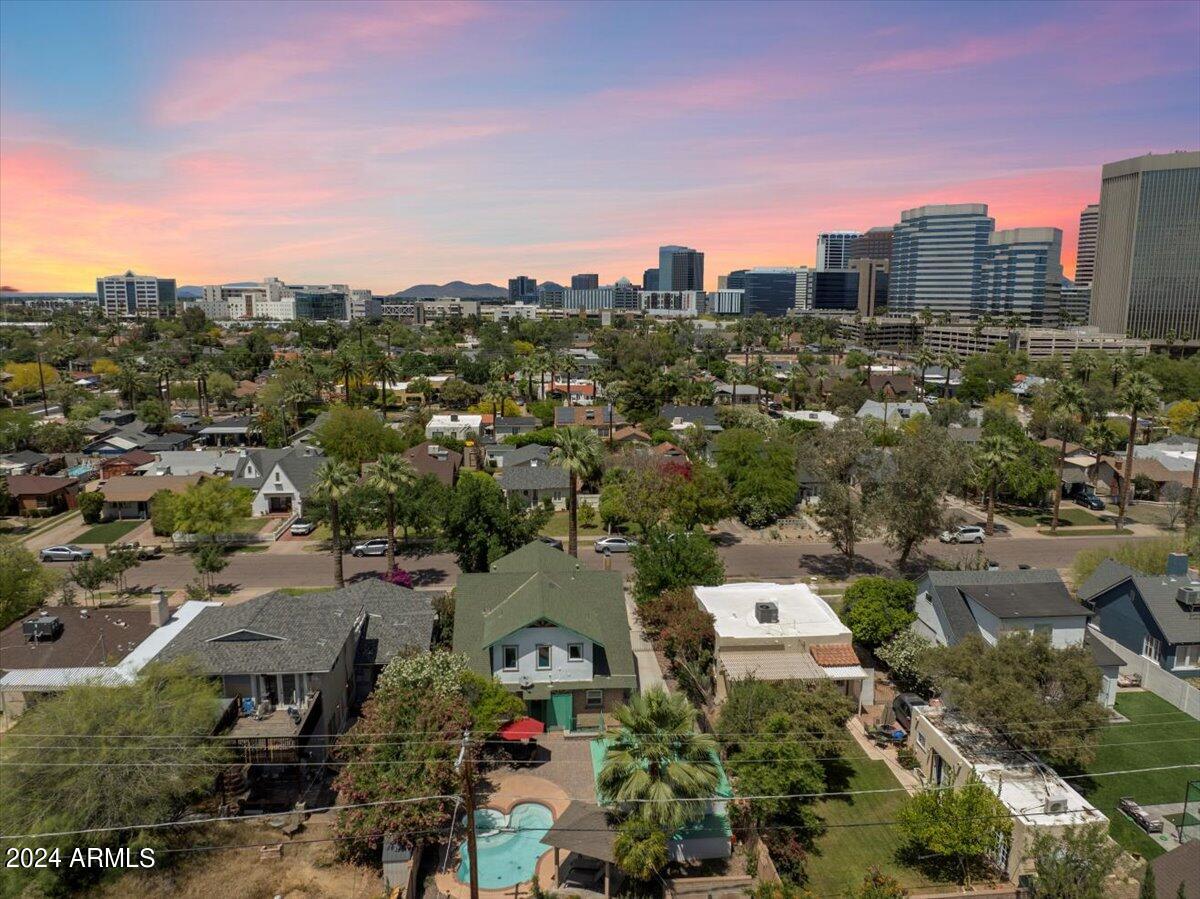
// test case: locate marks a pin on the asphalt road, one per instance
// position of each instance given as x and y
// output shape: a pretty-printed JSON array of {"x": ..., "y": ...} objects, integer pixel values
[{"x": 743, "y": 561}]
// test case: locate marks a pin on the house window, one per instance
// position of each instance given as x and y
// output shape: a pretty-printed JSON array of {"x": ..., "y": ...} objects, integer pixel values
[
  {"x": 1187, "y": 655},
  {"x": 543, "y": 657},
  {"x": 921, "y": 739},
  {"x": 574, "y": 652},
  {"x": 594, "y": 699},
  {"x": 1152, "y": 649},
  {"x": 510, "y": 658}
]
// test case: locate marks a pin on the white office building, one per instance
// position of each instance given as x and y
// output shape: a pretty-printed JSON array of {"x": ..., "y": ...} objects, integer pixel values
[
  {"x": 622, "y": 295},
  {"x": 724, "y": 301},
  {"x": 131, "y": 296},
  {"x": 833, "y": 249},
  {"x": 1021, "y": 275},
  {"x": 673, "y": 303}
]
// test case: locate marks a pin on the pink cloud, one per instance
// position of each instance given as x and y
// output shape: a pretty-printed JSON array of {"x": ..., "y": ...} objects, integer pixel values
[{"x": 957, "y": 54}]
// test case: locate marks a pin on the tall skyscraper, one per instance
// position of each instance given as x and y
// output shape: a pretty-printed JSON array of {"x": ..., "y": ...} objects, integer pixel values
[
  {"x": 650, "y": 279},
  {"x": 937, "y": 254},
  {"x": 834, "y": 290},
  {"x": 766, "y": 290},
  {"x": 136, "y": 296},
  {"x": 1085, "y": 254},
  {"x": 876, "y": 243},
  {"x": 585, "y": 282},
  {"x": 680, "y": 268},
  {"x": 833, "y": 249},
  {"x": 522, "y": 289},
  {"x": 872, "y": 283},
  {"x": 1022, "y": 274},
  {"x": 1147, "y": 279}
]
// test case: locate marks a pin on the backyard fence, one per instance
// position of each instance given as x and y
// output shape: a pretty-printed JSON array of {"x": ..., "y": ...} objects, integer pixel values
[{"x": 1175, "y": 690}]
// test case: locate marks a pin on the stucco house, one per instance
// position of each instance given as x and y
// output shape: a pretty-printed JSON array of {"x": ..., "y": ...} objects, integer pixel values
[
  {"x": 453, "y": 426},
  {"x": 280, "y": 478},
  {"x": 551, "y": 631}
]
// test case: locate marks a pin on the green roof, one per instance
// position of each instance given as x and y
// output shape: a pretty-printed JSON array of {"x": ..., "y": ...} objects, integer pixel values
[{"x": 536, "y": 556}]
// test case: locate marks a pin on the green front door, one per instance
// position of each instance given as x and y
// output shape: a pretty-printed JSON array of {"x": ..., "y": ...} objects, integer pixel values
[{"x": 564, "y": 711}]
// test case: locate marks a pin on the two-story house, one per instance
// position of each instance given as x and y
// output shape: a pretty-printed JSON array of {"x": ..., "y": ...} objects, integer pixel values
[
  {"x": 280, "y": 478},
  {"x": 952, "y": 605},
  {"x": 1156, "y": 617},
  {"x": 528, "y": 474},
  {"x": 551, "y": 631}
]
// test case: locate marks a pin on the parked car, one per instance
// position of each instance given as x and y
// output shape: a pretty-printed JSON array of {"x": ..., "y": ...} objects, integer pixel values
[
  {"x": 967, "y": 533},
  {"x": 374, "y": 547},
  {"x": 66, "y": 552},
  {"x": 551, "y": 541},
  {"x": 615, "y": 544},
  {"x": 142, "y": 552},
  {"x": 1090, "y": 501},
  {"x": 302, "y": 528},
  {"x": 902, "y": 708}
]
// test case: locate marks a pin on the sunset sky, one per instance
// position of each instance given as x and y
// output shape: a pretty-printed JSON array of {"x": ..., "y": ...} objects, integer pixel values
[{"x": 384, "y": 145}]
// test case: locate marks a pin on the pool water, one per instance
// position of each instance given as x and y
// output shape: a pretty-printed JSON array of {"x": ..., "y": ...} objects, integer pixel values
[{"x": 508, "y": 847}]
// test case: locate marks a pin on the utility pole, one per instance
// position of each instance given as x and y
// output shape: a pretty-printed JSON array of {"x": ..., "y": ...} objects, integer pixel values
[
  {"x": 466, "y": 766},
  {"x": 42, "y": 382}
]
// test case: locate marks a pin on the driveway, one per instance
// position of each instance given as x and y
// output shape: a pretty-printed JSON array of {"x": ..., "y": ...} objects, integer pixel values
[{"x": 649, "y": 674}]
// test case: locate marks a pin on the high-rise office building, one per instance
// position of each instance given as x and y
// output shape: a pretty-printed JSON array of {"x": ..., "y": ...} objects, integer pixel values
[
  {"x": 1085, "y": 254},
  {"x": 673, "y": 303},
  {"x": 1074, "y": 304},
  {"x": 736, "y": 280},
  {"x": 136, "y": 296},
  {"x": 1022, "y": 275},
  {"x": 872, "y": 284},
  {"x": 875, "y": 243},
  {"x": 834, "y": 290},
  {"x": 680, "y": 268},
  {"x": 767, "y": 291},
  {"x": 622, "y": 295},
  {"x": 937, "y": 254},
  {"x": 323, "y": 304},
  {"x": 522, "y": 289},
  {"x": 650, "y": 279},
  {"x": 833, "y": 249},
  {"x": 1147, "y": 279},
  {"x": 585, "y": 282}
]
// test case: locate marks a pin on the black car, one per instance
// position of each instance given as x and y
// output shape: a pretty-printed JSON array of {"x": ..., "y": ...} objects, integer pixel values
[
  {"x": 1090, "y": 501},
  {"x": 902, "y": 708}
]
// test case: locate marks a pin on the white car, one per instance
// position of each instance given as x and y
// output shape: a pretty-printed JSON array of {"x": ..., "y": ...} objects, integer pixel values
[
  {"x": 303, "y": 528},
  {"x": 615, "y": 544},
  {"x": 67, "y": 552},
  {"x": 967, "y": 533},
  {"x": 374, "y": 547}
]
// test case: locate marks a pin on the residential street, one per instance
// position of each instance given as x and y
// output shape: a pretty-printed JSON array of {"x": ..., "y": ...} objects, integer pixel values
[{"x": 743, "y": 561}]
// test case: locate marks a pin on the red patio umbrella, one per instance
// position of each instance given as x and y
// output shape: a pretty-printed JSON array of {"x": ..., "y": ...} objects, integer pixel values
[{"x": 522, "y": 729}]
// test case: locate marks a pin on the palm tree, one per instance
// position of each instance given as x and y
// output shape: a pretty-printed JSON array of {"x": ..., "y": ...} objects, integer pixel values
[
  {"x": 1084, "y": 365},
  {"x": 1101, "y": 440},
  {"x": 993, "y": 455},
  {"x": 127, "y": 380},
  {"x": 1191, "y": 425},
  {"x": 950, "y": 360},
  {"x": 1067, "y": 404},
  {"x": 1138, "y": 393},
  {"x": 162, "y": 368},
  {"x": 332, "y": 482},
  {"x": 578, "y": 450},
  {"x": 797, "y": 383},
  {"x": 736, "y": 373},
  {"x": 923, "y": 359},
  {"x": 391, "y": 474},
  {"x": 200, "y": 372},
  {"x": 345, "y": 366},
  {"x": 296, "y": 394},
  {"x": 656, "y": 753},
  {"x": 385, "y": 370}
]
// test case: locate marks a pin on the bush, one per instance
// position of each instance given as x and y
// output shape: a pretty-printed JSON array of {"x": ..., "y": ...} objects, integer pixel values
[
  {"x": 676, "y": 559},
  {"x": 904, "y": 656},
  {"x": 587, "y": 515},
  {"x": 877, "y": 608},
  {"x": 90, "y": 506},
  {"x": 162, "y": 513},
  {"x": 906, "y": 758},
  {"x": 397, "y": 576}
]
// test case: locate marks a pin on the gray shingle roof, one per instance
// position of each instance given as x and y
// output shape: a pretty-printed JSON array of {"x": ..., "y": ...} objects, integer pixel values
[
  {"x": 532, "y": 477},
  {"x": 705, "y": 416},
  {"x": 523, "y": 455},
  {"x": 946, "y": 592},
  {"x": 1043, "y": 600},
  {"x": 1159, "y": 594}
]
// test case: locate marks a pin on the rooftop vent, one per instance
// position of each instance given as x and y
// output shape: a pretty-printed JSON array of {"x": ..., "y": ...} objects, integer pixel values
[
  {"x": 1189, "y": 597},
  {"x": 766, "y": 612}
]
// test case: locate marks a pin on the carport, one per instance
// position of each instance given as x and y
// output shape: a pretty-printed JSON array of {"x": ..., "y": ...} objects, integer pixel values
[{"x": 583, "y": 831}]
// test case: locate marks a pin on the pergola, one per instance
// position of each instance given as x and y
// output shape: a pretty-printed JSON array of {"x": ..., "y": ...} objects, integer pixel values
[{"x": 584, "y": 830}]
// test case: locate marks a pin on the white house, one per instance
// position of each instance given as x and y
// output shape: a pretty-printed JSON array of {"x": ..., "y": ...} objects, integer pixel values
[
  {"x": 280, "y": 478},
  {"x": 453, "y": 425},
  {"x": 782, "y": 632},
  {"x": 816, "y": 416}
]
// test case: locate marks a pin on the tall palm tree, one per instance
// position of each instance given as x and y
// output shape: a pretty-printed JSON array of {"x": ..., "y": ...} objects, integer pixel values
[
  {"x": 162, "y": 368},
  {"x": 737, "y": 374},
  {"x": 950, "y": 360},
  {"x": 578, "y": 450},
  {"x": 797, "y": 383},
  {"x": 391, "y": 474},
  {"x": 296, "y": 394},
  {"x": 200, "y": 373},
  {"x": 1138, "y": 394},
  {"x": 656, "y": 753},
  {"x": 1100, "y": 439},
  {"x": 1084, "y": 365},
  {"x": 1191, "y": 426},
  {"x": 127, "y": 381},
  {"x": 332, "y": 482},
  {"x": 923, "y": 359},
  {"x": 345, "y": 366},
  {"x": 1067, "y": 404},
  {"x": 385, "y": 370},
  {"x": 992, "y": 456}
]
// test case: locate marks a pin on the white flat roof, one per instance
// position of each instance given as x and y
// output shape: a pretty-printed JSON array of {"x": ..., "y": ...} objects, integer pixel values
[
  {"x": 802, "y": 613},
  {"x": 1025, "y": 792},
  {"x": 459, "y": 420}
]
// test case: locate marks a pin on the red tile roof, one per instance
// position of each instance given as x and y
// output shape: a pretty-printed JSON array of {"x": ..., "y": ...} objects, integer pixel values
[{"x": 832, "y": 655}]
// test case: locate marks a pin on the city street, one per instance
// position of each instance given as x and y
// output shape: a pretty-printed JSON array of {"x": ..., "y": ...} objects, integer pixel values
[{"x": 743, "y": 561}]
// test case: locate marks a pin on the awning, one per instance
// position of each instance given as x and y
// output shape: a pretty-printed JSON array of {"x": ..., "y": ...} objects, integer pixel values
[
  {"x": 522, "y": 729},
  {"x": 845, "y": 672}
]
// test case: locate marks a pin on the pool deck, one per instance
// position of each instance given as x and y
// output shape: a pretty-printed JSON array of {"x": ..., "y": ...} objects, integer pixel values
[{"x": 509, "y": 789}]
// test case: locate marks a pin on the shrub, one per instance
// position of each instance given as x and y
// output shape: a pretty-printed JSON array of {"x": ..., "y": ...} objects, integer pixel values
[
  {"x": 877, "y": 608},
  {"x": 397, "y": 576},
  {"x": 90, "y": 506}
]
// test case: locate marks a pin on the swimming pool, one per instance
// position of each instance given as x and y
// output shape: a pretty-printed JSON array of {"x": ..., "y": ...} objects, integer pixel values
[{"x": 508, "y": 846}]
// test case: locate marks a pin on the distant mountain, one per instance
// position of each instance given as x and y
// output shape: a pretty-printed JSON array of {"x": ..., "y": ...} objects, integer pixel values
[
  {"x": 453, "y": 289},
  {"x": 193, "y": 292}
]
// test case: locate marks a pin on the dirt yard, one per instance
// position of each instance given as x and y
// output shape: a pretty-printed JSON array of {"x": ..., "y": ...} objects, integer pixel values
[{"x": 304, "y": 870}]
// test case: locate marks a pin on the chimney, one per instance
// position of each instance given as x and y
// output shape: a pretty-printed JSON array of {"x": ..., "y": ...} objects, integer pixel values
[
  {"x": 160, "y": 612},
  {"x": 1177, "y": 565}
]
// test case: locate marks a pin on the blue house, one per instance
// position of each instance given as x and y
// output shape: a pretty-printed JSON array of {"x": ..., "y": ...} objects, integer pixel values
[{"x": 1156, "y": 616}]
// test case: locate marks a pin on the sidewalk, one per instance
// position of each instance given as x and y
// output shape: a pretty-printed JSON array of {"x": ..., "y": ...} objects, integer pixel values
[
  {"x": 907, "y": 779},
  {"x": 649, "y": 674}
]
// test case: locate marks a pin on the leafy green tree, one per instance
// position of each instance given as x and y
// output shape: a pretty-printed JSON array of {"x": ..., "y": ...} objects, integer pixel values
[
  {"x": 877, "y": 608},
  {"x": 162, "y": 513},
  {"x": 669, "y": 559},
  {"x": 90, "y": 506},
  {"x": 816, "y": 713},
  {"x": 1073, "y": 864},
  {"x": 172, "y": 706},
  {"x": 577, "y": 450},
  {"x": 1039, "y": 696},
  {"x": 24, "y": 584},
  {"x": 391, "y": 475},
  {"x": 960, "y": 827},
  {"x": 153, "y": 412},
  {"x": 58, "y": 437},
  {"x": 656, "y": 752},
  {"x": 333, "y": 482},
  {"x": 208, "y": 559},
  {"x": 777, "y": 765},
  {"x": 356, "y": 436},
  {"x": 91, "y": 575},
  {"x": 15, "y": 429},
  {"x": 482, "y": 524},
  {"x": 904, "y": 655},
  {"x": 210, "y": 508},
  {"x": 927, "y": 468},
  {"x": 1067, "y": 406},
  {"x": 640, "y": 848},
  {"x": 844, "y": 515},
  {"x": 761, "y": 472}
]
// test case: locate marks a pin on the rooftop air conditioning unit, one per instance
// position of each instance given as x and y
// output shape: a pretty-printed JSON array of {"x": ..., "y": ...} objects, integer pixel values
[
  {"x": 1056, "y": 805},
  {"x": 766, "y": 612},
  {"x": 44, "y": 627},
  {"x": 1189, "y": 597}
]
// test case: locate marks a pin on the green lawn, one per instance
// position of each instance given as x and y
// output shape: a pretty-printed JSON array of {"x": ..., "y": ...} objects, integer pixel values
[
  {"x": 1068, "y": 515},
  {"x": 847, "y": 849},
  {"x": 249, "y": 525},
  {"x": 559, "y": 522},
  {"x": 112, "y": 532},
  {"x": 1126, "y": 746}
]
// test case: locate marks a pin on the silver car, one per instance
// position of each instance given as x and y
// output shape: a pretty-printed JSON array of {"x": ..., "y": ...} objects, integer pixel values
[
  {"x": 967, "y": 533},
  {"x": 615, "y": 545},
  {"x": 375, "y": 547},
  {"x": 66, "y": 552}
]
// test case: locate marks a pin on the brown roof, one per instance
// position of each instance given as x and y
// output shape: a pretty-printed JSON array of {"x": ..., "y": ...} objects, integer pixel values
[
  {"x": 832, "y": 655},
  {"x": 37, "y": 485},
  {"x": 583, "y": 828},
  {"x": 630, "y": 433},
  {"x": 668, "y": 449},
  {"x": 246, "y": 388},
  {"x": 1179, "y": 866},
  {"x": 105, "y": 635},
  {"x": 138, "y": 489},
  {"x": 443, "y": 466},
  {"x": 136, "y": 457}
]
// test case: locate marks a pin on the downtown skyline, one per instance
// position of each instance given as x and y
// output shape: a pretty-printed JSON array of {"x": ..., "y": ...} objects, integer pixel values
[{"x": 385, "y": 145}]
